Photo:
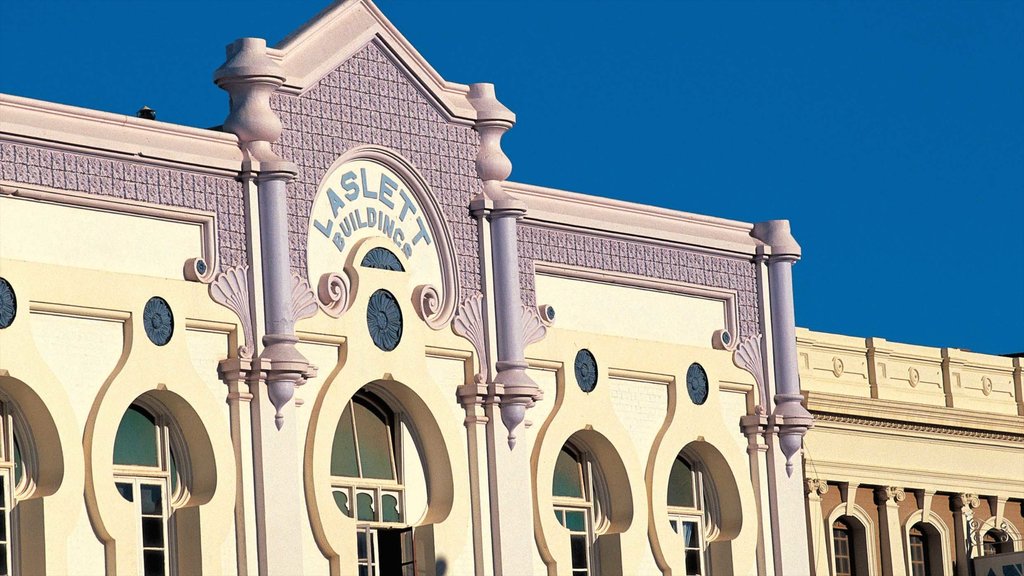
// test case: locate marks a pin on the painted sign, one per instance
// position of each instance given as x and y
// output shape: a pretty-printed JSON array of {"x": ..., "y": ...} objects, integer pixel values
[{"x": 363, "y": 198}]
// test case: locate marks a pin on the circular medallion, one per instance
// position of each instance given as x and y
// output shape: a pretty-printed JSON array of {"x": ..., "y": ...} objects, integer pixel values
[
  {"x": 586, "y": 370},
  {"x": 8, "y": 304},
  {"x": 697, "y": 383},
  {"x": 158, "y": 320},
  {"x": 201, "y": 266},
  {"x": 384, "y": 320},
  {"x": 914, "y": 377}
]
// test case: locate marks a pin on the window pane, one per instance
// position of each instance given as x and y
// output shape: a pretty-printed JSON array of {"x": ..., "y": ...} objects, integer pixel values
[
  {"x": 375, "y": 449},
  {"x": 3, "y": 527},
  {"x": 361, "y": 545},
  {"x": 153, "y": 562},
  {"x": 575, "y": 521},
  {"x": 174, "y": 473},
  {"x": 693, "y": 562},
  {"x": 343, "y": 455},
  {"x": 3, "y": 560},
  {"x": 341, "y": 499},
  {"x": 3, "y": 492},
  {"x": 153, "y": 532},
  {"x": 389, "y": 508},
  {"x": 568, "y": 479},
  {"x": 364, "y": 506},
  {"x": 561, "y": 517},
  {"x": 691, "y": 538},
  {"x": 579, "y": 551},
  {"x": 126, "y": 491},
  {"x": 135, "y": 443},
  {"x": 19, "y": 464},
  {"x": 152, "y": 499},
  {"x": 680, "y": 485}
]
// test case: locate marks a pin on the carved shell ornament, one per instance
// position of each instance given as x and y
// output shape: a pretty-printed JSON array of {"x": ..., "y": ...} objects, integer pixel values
[
  {"x": 384, "y": 320},
  {"x": 158, "y": 320},
  {"x": 8, "y": 304}
]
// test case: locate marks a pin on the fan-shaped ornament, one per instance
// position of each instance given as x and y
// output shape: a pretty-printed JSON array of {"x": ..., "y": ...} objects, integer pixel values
[{"x": 382, "y": 259}]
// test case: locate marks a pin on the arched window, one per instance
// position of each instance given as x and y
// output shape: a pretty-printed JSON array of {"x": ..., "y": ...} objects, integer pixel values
[
  {"x": 577, "y": 507},
  {"x": 146, "y": 473},
  {"x": 996, "y": 542},
  {"x": 12, "y": 479},
  {"x": 366, "y": 481},
  {"x": 920, "y": 553},
  {"x": 843, "y": 544},
  {"x": 686, "y": 514}
]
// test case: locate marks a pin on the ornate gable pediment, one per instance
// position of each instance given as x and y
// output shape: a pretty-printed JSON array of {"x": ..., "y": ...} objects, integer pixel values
[{"x": 339, "y": 32}]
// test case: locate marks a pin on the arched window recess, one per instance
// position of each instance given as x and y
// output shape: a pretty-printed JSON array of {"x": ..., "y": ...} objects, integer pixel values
[
  {"x": 17, "y": 470},
  {"x": 152, "y": 471},
  {"x": 368, "y": 484},
  {"x": 580, "y": 497}
]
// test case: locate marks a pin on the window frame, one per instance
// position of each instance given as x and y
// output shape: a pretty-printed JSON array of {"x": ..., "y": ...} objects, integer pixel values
[
  {"x": 589, "y": 504},
  {"x": 352, "y": 486},
  {"x": 173, "y": 484},
  {"x": 698, "y": 514},
  {"x": 850, "y": 538}
]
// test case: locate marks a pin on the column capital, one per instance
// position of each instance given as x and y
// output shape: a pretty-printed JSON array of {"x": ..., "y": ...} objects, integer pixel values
[
  {"x": 884, "y": 495},
  {"x": 778, "y": 237},
  {"x": 815, "y": 487},
  {"x": 964, "y": 501}
]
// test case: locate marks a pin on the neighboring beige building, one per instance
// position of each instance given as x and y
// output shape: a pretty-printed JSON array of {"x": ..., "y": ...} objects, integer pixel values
[
  {"x": 915, "y": 464},
  {"x": 332, "y": 338}
]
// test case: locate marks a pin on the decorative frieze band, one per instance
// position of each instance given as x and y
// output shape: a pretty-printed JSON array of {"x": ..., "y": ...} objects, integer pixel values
[{"x": 932, "y": 429}]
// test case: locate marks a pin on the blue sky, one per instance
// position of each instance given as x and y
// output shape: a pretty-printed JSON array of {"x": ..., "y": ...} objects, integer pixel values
[{"x": 890, "y": 134}]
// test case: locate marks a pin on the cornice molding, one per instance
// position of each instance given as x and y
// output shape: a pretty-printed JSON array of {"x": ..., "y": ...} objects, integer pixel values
[
  {"x": 335, "y": 34},
  {"x": 913, "y": 416},
  {"x": 561, "y": 209},
  {"x": 923, "y": 428},
  {"x": 53, "y": 125}
]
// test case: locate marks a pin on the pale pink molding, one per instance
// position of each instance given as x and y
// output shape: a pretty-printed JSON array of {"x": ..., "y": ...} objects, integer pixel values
[
  {"x": 231, "y": 290},
  {"x": 334, "y": 293},
  {"x": 469, "y": 323},
  {"x": 334, "y": 35},
  {"x": 748, "y": 357},
  {"x": 727, "y": 296}
]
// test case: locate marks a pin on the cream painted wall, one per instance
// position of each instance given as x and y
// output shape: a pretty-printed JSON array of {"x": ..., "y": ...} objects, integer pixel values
[
  {"x": 641, "y": 407},
  {"x": 65, "y": 235},
  {"x": 82, "y": 353},
  {"x": 641, "y": 314}
]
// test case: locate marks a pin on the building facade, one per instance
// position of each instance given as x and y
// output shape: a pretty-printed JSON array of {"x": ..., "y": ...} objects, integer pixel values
[{"x": 331, "y": 337}]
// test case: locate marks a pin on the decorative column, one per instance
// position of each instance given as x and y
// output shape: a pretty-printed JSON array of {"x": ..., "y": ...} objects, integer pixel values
[
  {"x": 512, "y": 391},
  {"x": 889, "y": 535},
  {"x": 251, "y": 77},
  {"x": 815, "y": 489},
  {"x": 962, "y": 506},
  {"x": 788, "y": 420}
]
